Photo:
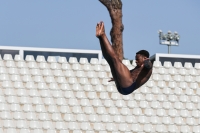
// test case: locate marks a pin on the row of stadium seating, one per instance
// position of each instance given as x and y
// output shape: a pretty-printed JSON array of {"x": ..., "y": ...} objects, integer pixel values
[
  {"x": 101, "y": 128},
  {"x": 93, "y": 61},
  {"x": 166, "y": 110}
]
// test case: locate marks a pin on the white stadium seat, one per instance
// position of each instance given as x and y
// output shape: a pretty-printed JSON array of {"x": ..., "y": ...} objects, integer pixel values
[
  {"x": 197, "y": 66},
  {"x": 21, "y": 64},
  {"x": 173, "y": 129},
  {"x": 136, "y": 128},
  {"x": 2, "y": 63},
  {"x": 18, "y": 58},
  {"x": 55, "y": 66},
  {"x": 40, "y": 58},
  {"x": 51, "y": 59},
  {"x": 193, "y": 72},
  {"x": 83, "y": 60},
  {"x": 185, "y": 129},
  {"x": 94, "y": 61},
  {"x": 65, "y": 66},
  {"x": 119, "y": 119},
  {"x": 157, "y": 64},
  {"x": 7, "y": 57},
  {"x": 188, "y": 65},
  {"x": 126, "y": 62},
  {"x": 104, "y": 62},
  {"x": 73, "y": 60},
  {"x": 30, "y": 58},
  {"x": 167, "y": 120},
  {"x": 162, "y": 70},
  {"x": 32, "y": 65},
  {"x": 98, "y": 68},
  {"x": 64, "y": 109},
  {"x": 10, "y": 64},
  {"x": 167, "y": 64},
  {"x": 62, "y": 59},
  {"x": 161, "y": 128},
  {"x": 10, "y": 130},
  {"x": 25, "y": 130},
  {"x": 178, "y": 65},
  {"x": 173, "y": 71},
  {"x": 183, "y": 85}
]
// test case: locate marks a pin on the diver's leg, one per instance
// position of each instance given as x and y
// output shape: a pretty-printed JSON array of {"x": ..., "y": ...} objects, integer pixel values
[{"x": 120, "y": 72}]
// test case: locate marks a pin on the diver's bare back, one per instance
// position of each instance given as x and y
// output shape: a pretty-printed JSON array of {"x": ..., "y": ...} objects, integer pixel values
[{"x": 140, "y": 75}]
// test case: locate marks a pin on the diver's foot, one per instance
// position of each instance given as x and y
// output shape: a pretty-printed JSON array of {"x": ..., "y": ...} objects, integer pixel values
[{"x": 100, "y": 29}]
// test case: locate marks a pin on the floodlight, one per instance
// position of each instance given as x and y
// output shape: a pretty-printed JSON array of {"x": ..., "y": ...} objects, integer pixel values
[{"x": 169, "y": 39}]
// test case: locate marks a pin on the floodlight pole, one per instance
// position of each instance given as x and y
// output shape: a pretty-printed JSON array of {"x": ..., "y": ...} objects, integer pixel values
[{"x": 169, "y": 47}]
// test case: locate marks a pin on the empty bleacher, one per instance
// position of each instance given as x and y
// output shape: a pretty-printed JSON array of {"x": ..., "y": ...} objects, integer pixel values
[{"x": 39, "y": 96}]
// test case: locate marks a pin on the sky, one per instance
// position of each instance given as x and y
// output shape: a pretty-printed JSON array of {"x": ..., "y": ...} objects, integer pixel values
[{"x": 70, "y": 24}]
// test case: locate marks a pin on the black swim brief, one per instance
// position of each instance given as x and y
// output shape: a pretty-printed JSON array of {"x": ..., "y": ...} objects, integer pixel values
[{"x": 128, "y": 90}]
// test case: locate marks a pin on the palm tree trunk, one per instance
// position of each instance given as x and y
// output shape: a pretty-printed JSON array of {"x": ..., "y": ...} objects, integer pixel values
[{"x": 115, "y": 10}]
